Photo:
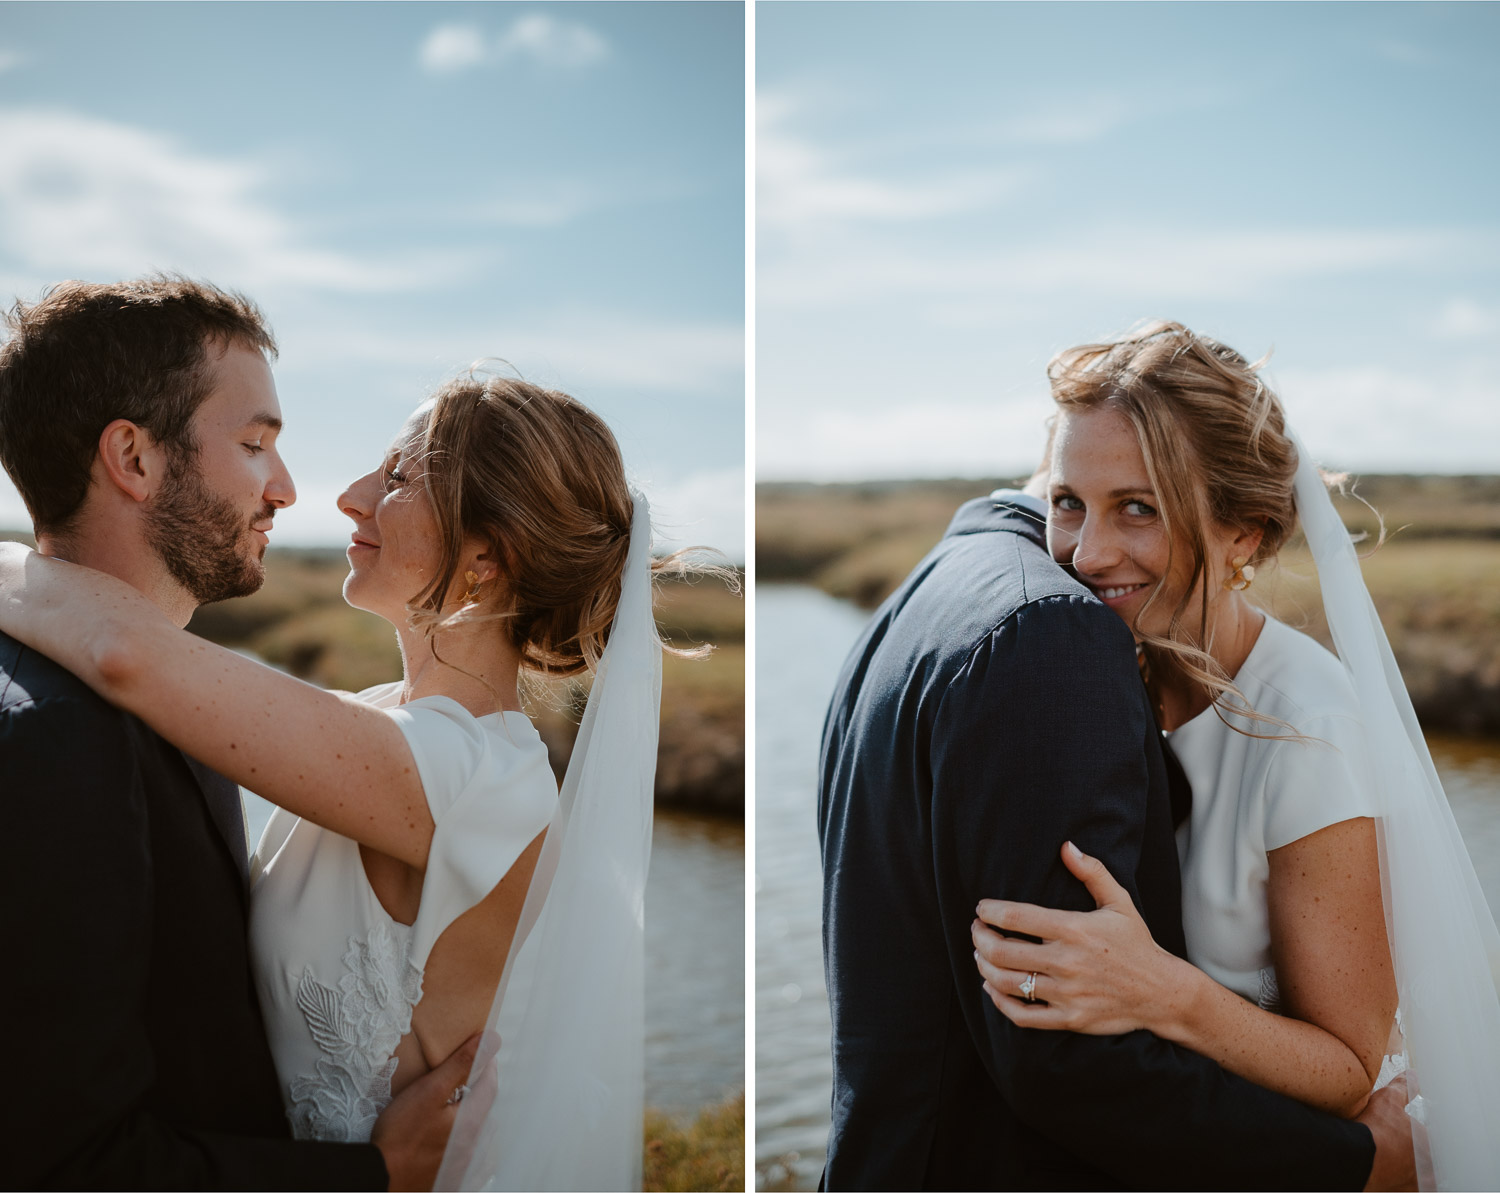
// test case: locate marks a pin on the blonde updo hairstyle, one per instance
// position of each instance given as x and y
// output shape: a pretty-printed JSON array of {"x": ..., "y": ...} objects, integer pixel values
[
  {"x": 538, "y": 476},
  {"x": 1213, "y": 437}
]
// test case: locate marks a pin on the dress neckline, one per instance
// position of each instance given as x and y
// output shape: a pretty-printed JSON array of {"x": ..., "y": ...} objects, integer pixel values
[
  {"x": 378, "y": 695},
  {"x": 1256, "y": 648}
]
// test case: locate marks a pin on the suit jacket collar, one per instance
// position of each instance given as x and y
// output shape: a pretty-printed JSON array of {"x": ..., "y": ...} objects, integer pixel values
[
  {"x": 1000, "y": 512},
  {"x": 985, "y": 515},
  {"x": 228, "y": 812},
  {"x": 220, "y": 795}
]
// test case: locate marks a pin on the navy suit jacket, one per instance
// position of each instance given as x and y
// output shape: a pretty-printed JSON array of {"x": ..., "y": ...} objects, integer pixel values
[
  {"x": 991, "y": 711},
  {"x": 136, "y": 1054}
]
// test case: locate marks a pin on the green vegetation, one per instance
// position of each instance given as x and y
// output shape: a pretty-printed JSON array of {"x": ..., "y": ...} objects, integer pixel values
[
  {"x": 700, "y": 762},
  {"x": 1435, "y": 580},
  {"x": 855, "y": 541},
  {"x": 709, "y": 1154},
  {"x": 298, "y": 621}
]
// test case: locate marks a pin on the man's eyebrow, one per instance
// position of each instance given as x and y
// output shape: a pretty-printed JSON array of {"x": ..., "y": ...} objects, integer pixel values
[{"x": 263, "y": 419}]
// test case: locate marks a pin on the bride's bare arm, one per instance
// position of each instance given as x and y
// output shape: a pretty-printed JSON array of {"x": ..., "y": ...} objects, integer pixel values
[
  {"x": 339, "y": 763},
  {"x": 1100, "y": 972}
]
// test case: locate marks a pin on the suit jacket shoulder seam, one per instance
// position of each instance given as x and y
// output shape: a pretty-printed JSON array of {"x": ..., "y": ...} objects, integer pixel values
[{"x": 1066, "y": 598}]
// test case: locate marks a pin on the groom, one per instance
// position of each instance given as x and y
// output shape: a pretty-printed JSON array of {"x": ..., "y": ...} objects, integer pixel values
[
  {"x": 991, "y": 711},
  {"x": 139, "y": 423}
]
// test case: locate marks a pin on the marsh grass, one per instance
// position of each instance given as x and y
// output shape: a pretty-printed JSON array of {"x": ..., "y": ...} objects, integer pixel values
[
  {"x": 708, "y": 1154},
  {"x": 1435, "y": 581}
]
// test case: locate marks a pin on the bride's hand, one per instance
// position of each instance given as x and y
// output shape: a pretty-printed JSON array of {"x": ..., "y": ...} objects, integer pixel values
[{"x": 1097, "y": 972}]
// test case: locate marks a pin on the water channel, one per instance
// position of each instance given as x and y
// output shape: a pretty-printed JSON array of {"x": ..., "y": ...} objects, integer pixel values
[{"x": 803, "y": 636}]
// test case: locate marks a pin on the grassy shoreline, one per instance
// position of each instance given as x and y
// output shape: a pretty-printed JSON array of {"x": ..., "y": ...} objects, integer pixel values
[
  {"x": 1435, "y": 581},
  {"x": 298, "y": 621},
  {"x": 706, "y": 1154}
]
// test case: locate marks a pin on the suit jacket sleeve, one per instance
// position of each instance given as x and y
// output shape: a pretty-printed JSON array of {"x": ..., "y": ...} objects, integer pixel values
[
  {"x": 1044, "y": 737},
  {"x": 77, "y": 917}
]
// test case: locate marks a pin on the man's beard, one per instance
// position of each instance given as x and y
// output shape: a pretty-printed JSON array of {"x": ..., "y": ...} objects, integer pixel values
[{"x": 199, "y": 536}]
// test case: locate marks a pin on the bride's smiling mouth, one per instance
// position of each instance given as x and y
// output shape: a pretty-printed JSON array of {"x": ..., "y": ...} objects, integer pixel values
[{"x": 1115, "y": 595}]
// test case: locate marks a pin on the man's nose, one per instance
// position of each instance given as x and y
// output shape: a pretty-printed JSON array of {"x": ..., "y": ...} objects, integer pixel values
[{"x": 280, "y": 491}]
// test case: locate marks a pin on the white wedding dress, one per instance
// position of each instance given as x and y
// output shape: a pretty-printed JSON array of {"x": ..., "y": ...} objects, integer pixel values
[
  {"x": 1253, "y": 794},
  {"x": 1249, "y": 797},
  {"x": 338, "y": 978}
]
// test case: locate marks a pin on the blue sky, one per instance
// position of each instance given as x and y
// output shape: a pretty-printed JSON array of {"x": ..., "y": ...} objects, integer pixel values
[
  {"x": 406, "y": 188},
  {"x": 949, "y": 193}
]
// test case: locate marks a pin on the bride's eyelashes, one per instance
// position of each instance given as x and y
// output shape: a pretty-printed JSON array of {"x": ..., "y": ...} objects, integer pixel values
[{"x": 1066, "y": 503}]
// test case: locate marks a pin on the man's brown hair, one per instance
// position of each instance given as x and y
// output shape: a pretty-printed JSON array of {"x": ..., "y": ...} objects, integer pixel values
[{"x": 87, "y": 354}]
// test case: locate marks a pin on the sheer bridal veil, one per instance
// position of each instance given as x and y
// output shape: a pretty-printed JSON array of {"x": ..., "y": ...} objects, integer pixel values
[
  {"x": 569, "y": 1013},
  {"x": 1443, "y": 937}
]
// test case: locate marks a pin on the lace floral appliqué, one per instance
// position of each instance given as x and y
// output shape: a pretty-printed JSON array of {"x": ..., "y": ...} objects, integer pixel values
[
  {"x": 357, "y": 1028},
  {"x": 1270, "y": 992}
]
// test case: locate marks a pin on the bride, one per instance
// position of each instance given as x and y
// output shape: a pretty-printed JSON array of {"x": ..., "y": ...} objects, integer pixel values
[
  {"x": 1322, "y": 878},
  {"x": 422, "y": 865}
]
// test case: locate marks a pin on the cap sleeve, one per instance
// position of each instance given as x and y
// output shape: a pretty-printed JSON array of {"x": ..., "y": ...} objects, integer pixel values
[
  {"x": 490, "y": 790},
  {"x": 1317, "y": 782}
]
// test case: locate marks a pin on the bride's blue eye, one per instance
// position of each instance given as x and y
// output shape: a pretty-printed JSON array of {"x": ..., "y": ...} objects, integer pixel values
[
  {"x": 1067, "y": 502},
  {"x": 394, "y": 479},
  {"x": 1139, "y": 509}
]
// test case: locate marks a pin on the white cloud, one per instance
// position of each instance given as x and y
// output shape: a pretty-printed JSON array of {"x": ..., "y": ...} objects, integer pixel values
[
  {"x": 1367, "y": 418},
  {"x": 610, "y": 349},
  {"x": 451, "y": 48},
  {"x": 83, "y": 196},
  {"x": 551, "y": 200},
  {"x": 1374, "y": 418},
  {"x": 538, "y": 211},
  {"x": 573, "y": 349},
  {"x": 543, "y": 39},
  {"x": 1461, "y": 319},
  {"x": 551, "y": 42},
  {"x": 700, "y": 509},
  {"x": 834, "y": 210},
  {"x": 1073, "y": 122},
  {"x": 925, "y": 435},
  {"x": 801, "y": 186},
  {"x": 1143, "y": 264},
  {"x": 13, "y": 515}
]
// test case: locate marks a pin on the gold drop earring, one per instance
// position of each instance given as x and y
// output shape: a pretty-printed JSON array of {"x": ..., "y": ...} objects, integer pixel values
[
  {"x": 1242, "y": 576},
  {"x": 471, "y": 597}
]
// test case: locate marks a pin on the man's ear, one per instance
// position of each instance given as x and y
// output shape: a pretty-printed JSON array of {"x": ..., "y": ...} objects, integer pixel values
[{"x": 132, "y": 460}]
